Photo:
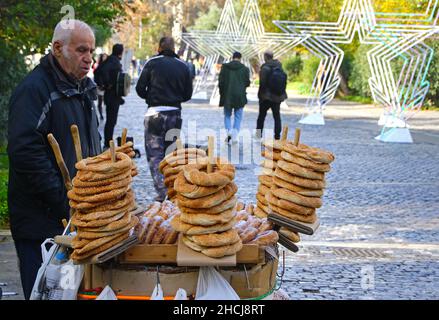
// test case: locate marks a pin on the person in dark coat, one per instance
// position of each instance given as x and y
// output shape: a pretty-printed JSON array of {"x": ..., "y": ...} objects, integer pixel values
[
  {"x": 54, "y": 96},
  {"x": 99, "y": 82},
  {"x": 267, "y": 99},
  {"x": 111, "y": 68},
  {"x": 165, "y": 82},
  {"x": 234, "y": 79}
]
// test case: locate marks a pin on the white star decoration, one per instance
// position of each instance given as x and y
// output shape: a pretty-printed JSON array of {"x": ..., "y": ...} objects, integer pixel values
[
  {"x": 248, "y": 37},
  {"x": 396, "y": 36}
]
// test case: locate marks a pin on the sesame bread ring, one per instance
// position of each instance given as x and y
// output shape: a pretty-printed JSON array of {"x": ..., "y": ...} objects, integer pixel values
[
  {"x": 294, "y": 216},
  {"x": 288, "y": 205},
  {"x": 78, "y": 183},
  {"x": 300, "y": 171},
  {"x": 258, "y": 212},
  {"x": 101, "y": 197},
  {"x": 263, "y": 189},
  {"x": 300, "y": 190},
  {"x": 216, "y": 239},
  {"x": 87, "y": 191},
  {"x": 310, "y": 202},
  {"x": 200, "y": 219},
  {"x": 310, "y": 153},
  {"x": 261, "y": 199},
  {"x": 215, "y": 252},
  {"x": 298, "y": 181},
  {"x": 87, "y": 217},
  {"x": 269, "y": 164},
  {"x": 99, "y": 246},
  {"x": 319, "y": 167},
  {"x": 97, "y": 223},
  {"x": 191, "y": 230},
  {"x": 182, "y": 156},
  {"x": 268, "y": 172},
  {"x": 266, "y": 180},
  {"x": 113, "y": 204},
  {"x": 267, "y": 154},
  {"x": 274, "y": 144},
  {"x": 90, "y": 234},
  {"x": 226, "y": 205},
  {"x": 223, "y": 174},
  {"x": 103, "y": 163},
  {"x": 264, "y": 208},
  {"x": 293, "y": 236},
  {"x": 210, "y": 201},
  {"x": 91, "y": 176},
  {"x": 191, "y": 191},
  {"x": 114, "y": 225},
  {"x": 169, "y": 181},
  {"x": 170, "y": 171}
]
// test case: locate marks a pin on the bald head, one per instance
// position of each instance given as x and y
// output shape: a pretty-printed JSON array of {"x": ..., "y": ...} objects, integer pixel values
[
  {"x": 166, "y": 43},
  {"x": 64, "y": 30},
  {"x": 73, "y": 44}
]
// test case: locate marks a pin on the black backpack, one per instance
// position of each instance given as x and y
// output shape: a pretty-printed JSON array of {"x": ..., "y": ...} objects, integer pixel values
[{"x": 277, "y": 81}]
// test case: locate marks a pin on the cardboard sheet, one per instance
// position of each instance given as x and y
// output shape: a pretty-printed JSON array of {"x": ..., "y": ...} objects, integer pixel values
[{"x": 187, "y": 257}]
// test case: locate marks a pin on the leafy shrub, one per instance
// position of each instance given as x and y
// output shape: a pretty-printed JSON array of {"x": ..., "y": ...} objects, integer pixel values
[{"x": 293, "y": 67}]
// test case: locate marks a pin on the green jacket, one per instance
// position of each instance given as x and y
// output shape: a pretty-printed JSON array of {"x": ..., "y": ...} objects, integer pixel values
[{"x": 234, "y": 78}]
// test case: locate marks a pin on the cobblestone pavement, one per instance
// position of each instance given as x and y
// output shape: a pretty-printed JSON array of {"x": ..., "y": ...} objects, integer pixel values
[{"x": 379, "y": 230}]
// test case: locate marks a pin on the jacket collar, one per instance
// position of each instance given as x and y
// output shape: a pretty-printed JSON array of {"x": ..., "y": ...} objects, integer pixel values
[
  {"x": 63, "y": 82},
  {"x": 168, "y": 53}
]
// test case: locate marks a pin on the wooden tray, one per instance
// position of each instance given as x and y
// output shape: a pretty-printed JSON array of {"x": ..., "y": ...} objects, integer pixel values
[{"x": 167, "y": 254}]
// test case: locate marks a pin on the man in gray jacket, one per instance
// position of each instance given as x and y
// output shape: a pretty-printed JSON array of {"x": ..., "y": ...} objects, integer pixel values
[{"x": 271, "y": 93}]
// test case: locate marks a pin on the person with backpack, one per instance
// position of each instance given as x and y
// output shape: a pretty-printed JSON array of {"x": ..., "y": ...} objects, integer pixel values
[
  {"x": 234, "y": 79},
  {"x": 272, "y": 92}
]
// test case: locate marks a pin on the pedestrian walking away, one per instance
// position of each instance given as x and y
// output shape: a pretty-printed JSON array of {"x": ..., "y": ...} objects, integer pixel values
[
  {"x": 100, "y": 84},
  {"x": 112, "y": 67},
  {"x": 272, "y": 92},
  {"x": 165, "y": 82},
  {"x": 54, "y": 96},
  {"x": 234, "y": 78}
]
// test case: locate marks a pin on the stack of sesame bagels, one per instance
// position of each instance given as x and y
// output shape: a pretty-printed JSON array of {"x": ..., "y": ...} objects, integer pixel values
[
  {"x": 299, "y": 181},
  {"x": 173, "y": 164},
  {"x": 102, "y": 199},
  {"x": 207, "y": 203},
  {"x": 271, "y": 153}
]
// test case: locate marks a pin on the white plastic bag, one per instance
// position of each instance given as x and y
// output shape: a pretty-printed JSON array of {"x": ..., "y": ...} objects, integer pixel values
[
  {"x": 56, "y": 280},
  {"x": 181, "y": 295},
  {"x": 157, "y": 294},
  {"x": 212, "y": 286},
  {"x": 107, "y": 294},
  {"x": 40, "y": 281}
]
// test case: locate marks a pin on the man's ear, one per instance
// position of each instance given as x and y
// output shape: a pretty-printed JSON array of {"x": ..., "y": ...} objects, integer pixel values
[{"x": 57, "y": 49}]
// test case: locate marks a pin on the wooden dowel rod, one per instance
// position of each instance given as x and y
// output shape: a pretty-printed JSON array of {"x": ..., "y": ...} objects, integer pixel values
[
  {"x": 60, "y": 161},
  {"x": 297, "y": 137},
  {"x": 112, "y": 151},
  {"x": 179, "y": 144},
  {"x": 285, "y": 133},
  {"x": 76, "y": 141},
  {"x": 211, "y": 151},
  {"x": 124, "y": 136}
]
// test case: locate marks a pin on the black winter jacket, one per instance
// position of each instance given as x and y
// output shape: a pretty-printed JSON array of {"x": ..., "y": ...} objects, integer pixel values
[
  {"x": 165, "y": 81},
  {"x": 264, "y": 93},
  {"x": 107, "y": 74},
  {"x": 46, "y": 101}
]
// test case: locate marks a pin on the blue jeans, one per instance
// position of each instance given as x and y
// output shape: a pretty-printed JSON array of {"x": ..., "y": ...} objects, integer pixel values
[{"x": 236, "y": 123}]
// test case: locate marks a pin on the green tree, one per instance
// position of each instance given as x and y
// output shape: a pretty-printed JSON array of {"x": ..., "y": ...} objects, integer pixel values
[{"x": 26, "y": 27}]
